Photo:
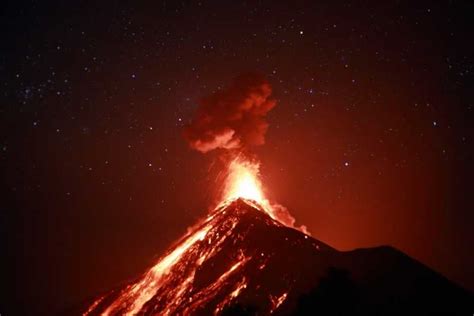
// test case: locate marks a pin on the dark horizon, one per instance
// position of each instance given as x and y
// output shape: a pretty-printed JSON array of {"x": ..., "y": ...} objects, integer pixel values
[{"x": 371, "y": 140}]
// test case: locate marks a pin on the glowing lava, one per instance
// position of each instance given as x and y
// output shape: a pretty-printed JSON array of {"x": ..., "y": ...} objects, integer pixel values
[
  {"x": 243, "y": 181},
  {"x": 174, "y": 284}
]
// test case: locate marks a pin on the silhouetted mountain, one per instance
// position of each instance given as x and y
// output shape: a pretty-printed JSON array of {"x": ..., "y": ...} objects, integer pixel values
[{"x": 239, "y": 261}]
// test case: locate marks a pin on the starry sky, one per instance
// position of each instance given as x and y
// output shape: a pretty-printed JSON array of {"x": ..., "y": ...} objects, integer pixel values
[{"x": 370, "y": 143}]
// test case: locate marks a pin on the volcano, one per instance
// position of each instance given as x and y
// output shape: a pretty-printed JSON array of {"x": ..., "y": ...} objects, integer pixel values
[{"x": 241, "y": 261}]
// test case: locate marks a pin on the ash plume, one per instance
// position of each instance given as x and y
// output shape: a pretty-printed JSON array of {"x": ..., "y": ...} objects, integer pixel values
[{"x": 233, "y": 118}]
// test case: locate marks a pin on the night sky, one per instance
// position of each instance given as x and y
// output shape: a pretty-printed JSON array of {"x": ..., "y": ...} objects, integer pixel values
[{"x": 371, "y": 141}]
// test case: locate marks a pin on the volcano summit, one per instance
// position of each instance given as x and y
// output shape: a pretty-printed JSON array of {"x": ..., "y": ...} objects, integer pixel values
[{"x": 240, "y": 261}]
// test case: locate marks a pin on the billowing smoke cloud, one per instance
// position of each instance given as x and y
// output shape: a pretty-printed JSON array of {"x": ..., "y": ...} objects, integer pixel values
[{"x": 232, "y": 118}]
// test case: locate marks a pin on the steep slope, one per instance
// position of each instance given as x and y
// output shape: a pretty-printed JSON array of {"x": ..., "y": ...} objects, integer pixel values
[{"x": 239, "y": 261}]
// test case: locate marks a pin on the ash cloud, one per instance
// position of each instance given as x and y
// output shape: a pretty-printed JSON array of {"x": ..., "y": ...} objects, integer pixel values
[{"x": 233, "y": 118}]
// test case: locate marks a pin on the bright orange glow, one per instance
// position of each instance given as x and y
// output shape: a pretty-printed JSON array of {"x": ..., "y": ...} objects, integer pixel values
[{"x": 243, "y": 181}]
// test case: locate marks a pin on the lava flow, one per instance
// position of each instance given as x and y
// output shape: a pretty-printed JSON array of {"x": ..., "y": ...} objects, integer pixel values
[{"x": 174, "y": 285}]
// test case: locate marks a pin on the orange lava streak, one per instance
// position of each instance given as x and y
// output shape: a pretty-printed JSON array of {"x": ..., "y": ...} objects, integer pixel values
[
  {"x": 143, "y": 291},
  {"x": 277, "y": 301},
  {"x": 93, "y": 306},
  {"x": 225, "y": 302}
]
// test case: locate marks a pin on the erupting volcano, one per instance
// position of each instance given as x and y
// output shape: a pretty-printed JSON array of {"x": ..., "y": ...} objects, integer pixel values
[
  {"x": 247, "y": 257},
  {"x": 213, "y": 266},
  {"x": 242, "y": 260}
]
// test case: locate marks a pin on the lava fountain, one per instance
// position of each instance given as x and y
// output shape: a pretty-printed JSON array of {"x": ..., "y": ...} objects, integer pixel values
[{"x": 243, "y": 181}]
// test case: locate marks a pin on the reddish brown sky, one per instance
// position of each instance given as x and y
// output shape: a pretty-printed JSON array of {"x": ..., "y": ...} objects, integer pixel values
[{"x": 370, "y": 143}]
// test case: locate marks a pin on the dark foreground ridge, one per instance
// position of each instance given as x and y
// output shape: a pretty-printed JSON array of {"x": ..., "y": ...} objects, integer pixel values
[{"x": 245, "y": 263}]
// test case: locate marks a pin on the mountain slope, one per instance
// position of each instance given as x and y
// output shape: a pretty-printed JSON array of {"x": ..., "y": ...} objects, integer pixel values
[{"x": 239, "y": 261}]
